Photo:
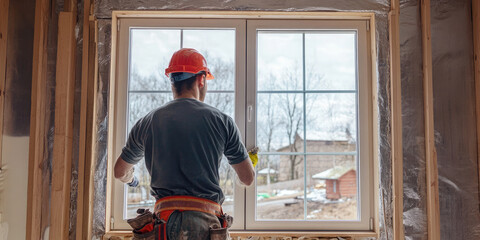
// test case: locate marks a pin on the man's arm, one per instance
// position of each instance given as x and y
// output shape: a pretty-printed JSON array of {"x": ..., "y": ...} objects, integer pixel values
[
  {"x": 123, "y": 171},
  {"x": 245, "y": 171}
]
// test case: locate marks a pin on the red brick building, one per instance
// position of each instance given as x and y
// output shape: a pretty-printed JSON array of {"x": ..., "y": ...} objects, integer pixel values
[{"x": 340, "y": 182}]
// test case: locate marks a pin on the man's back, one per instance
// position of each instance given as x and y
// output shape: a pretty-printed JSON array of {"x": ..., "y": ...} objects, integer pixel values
[{"x": 183, "y": 143}]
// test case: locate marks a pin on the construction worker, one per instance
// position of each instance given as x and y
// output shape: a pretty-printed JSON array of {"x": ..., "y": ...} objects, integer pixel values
[{"x": 183, "y": 142}]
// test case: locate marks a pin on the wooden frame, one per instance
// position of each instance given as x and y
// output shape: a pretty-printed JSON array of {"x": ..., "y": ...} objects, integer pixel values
[
  {"x": 279, "y": 234},
  {"x": 396, "y": 118},
  {"x": 375, "y": 124},
  {"x": 111, "y": 134},
  {"x": 250, "y": 15},
  {"x": 86, "y": 164},
  {"x": 476, "y": 43},
  {"x": 38, "y": 120},
  {"x": 433, "y": 206},
  {"x": 63, "y": 140},
  {"x": 242, "y": 14},
  {"x": 4, "y": 5}
]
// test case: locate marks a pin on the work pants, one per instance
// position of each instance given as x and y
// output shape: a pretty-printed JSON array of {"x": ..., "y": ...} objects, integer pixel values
[{"x": 193, "y": 225}]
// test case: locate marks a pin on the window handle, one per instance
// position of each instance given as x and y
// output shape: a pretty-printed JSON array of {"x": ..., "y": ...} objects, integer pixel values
[{"x": 249, "y": 113}]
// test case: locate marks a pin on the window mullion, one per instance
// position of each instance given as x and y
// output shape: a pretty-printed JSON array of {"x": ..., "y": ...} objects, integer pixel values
[
  {"x": 304, "y": 131},
  {"x": 181, "y": 38}
]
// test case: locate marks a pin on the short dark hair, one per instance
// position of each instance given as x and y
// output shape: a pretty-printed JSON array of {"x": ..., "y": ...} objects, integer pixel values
[{"x": 185, "y": 85}]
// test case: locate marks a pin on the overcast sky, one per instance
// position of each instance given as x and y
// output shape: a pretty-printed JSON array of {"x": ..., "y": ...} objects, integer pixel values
[{"x": 329, "y": 61}]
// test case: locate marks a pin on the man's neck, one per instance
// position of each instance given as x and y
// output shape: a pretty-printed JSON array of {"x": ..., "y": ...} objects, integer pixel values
[{"x": 189, "y": 94}]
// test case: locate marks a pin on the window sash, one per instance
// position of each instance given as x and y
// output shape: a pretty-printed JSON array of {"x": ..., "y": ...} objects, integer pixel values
[
  {"x": 364, "y": 128},
  {"x": 121, "y": 92}
]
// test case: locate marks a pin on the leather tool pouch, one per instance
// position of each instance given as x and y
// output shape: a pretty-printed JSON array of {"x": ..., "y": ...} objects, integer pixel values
[
  {"x": 221, "y": 233},
  {"x": 145, "y": 226},
  {"x": 226, "y": 220},
  {"x": 143, "y": 218},
  {"x": 146, "y": 235}
]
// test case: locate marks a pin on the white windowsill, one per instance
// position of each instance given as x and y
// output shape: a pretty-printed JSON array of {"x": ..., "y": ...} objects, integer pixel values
[{"x": 312, "y": 234}]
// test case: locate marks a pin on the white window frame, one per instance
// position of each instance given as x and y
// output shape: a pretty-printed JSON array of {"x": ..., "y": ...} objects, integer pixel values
[
  {"x": 121, "y": 91},
  {"x": 245, "y": 94},
  {"x": 364, "y": 128}
]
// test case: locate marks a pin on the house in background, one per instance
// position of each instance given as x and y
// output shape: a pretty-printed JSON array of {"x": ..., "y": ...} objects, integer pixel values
[
  {"x": 340, "y": 182},
  {"x": 289, "y": 165}
]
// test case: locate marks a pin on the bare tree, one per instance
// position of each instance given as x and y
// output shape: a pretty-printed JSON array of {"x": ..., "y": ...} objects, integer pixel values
[{"x": 284, "y": 113}]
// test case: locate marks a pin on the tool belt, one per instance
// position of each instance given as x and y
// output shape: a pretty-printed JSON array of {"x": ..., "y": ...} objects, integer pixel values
[
  {"x": 153, "y": 226},
  {"x": 166, "y": 205}
]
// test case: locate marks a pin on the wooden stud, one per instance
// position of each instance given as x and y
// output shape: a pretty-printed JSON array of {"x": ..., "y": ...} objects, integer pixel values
[
  {"x": 83, "y": 158},
  {"x": 396, "y": 118},
  {"x": 375, "y": 124},
  {"x": 63, "y": 140},
  {"x": 4, "y": 5},
  {"x": 241, "y": 14},
  {"x": 433, "y": 206},
  {"x": 476, "y": 43},
  {"x": 38, "y": 120},
  {"x": 92, "y": 130},
  {"x": 111, "y": 132}
]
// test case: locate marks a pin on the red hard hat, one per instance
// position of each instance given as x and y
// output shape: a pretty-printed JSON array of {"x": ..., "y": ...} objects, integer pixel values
[{"x": 188, "y": 60}]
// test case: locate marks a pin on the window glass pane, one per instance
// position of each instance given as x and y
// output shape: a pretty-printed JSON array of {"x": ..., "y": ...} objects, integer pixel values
[
  {"x": 280, "y": 187},
  {"x": 279, "y": 61},
  {"x": 139, "y": 197},
  {"x": 218, "y": 47},
  {"x": 306, "y": 115},
  {"x": 224, "y": 102},
  {"x": 330, "y": 60},
  {"x": 331, "y": 122},
  {"x": 139, "y": 105},
  {"x": 142, "y": 103},
  {"x": 280, "y": 122},
  {"x": 331, "y": 187},
  {"x": 150, "y": 52},
  {"x": 227, "y": 181}
]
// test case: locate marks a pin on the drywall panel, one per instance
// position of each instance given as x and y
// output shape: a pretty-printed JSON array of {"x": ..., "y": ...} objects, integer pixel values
[
  {"x": 13, "y": 187},
  {"x": 455, "y": 121},
  {"x": 15, "y": 144}
]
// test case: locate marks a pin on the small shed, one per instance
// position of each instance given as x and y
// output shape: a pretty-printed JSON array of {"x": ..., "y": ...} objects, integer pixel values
[{"x": 340, "y": 182}]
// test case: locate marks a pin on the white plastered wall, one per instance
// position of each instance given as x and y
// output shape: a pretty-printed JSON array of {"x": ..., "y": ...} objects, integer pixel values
[{"x": 13, "y": 187}]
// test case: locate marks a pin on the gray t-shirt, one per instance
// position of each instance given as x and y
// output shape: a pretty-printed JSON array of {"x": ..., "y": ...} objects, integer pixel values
[{"x": 183, "y": 143}]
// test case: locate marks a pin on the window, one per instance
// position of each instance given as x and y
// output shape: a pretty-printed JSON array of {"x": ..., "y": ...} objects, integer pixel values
[{"x": 298, "y": 89}]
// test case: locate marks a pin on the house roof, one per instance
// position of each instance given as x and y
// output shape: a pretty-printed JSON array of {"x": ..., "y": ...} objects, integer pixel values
[
  {"x": 333, "y": 173},
  {"x": 267, "y": 170},
  {"x": 298, "y": 138}
]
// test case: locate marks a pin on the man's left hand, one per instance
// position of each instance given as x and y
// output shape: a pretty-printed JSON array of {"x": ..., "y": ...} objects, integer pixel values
[{"x": 253, "y": 154}]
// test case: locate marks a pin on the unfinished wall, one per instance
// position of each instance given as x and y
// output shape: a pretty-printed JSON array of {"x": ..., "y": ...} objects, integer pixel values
[
  {"x": 455, "y": 121},
  {"x": 16, "y": 116},
  {"x": 414, "y": 181},
  {"x": 453, "y": 92},
  {"x": 103, "y": 10}
]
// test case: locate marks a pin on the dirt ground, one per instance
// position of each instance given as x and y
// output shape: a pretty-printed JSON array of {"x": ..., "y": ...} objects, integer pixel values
[{"x": 346, "y": 210}]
